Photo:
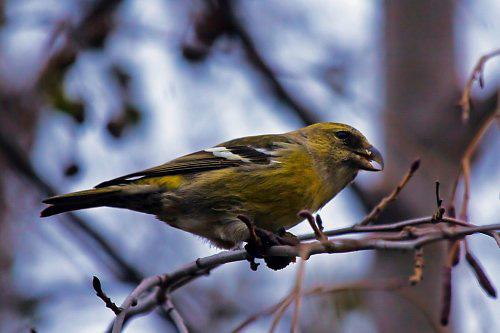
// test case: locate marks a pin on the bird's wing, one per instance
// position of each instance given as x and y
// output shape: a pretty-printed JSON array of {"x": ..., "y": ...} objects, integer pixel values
[{"x": 255, "y": 150}]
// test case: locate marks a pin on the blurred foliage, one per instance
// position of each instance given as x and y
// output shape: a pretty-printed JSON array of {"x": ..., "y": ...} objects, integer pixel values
[
  {"x": 129, "y": 117},
  {"x": 52, "y": 86},
  {"x": 71, "y": 170}
]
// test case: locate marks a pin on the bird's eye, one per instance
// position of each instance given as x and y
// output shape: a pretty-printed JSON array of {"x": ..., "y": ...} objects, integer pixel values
[
  {"x": 342, "y": 135},
  {"x": 348, "y": 138}
]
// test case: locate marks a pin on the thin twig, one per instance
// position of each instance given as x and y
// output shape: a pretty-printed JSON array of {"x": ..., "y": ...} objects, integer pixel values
[
  {"x": 132, "y": 299},
  {"x": 315, "y": 223},
  {"x": 466, "y": 160},
  {"x": 374, "y": 214},
  {"x": 481, "y": 276},
  {"x": 465, "y": 170},
  {"x": 476, "y": 75},
  {"x": 96, "y": 283},
  {"x": 438, "y": 215},
  {"x": 395, "y": 226},
  {"x": 446, "y": 289},
  {"x": 170, "y": 309},
  {"x": 280, "y": 307},
  {"x": 266, "y": 312},
  {"x": 471, "y": 149},
  {"x": 297, "y": 295},
  {"x": 280, "y": 311}
]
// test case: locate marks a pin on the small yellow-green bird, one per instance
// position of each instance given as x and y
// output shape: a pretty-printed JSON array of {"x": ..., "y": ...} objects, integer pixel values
[{"x": 267, "y": 178}]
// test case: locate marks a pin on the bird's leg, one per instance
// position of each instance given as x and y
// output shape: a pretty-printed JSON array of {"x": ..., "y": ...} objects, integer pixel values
[
  {"x": 287, "y": 238},
  {"x": 261, "y": 240},
  {"x": 282, "y": 237}
]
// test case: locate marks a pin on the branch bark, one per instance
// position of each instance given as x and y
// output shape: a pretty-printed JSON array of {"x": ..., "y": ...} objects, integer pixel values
[{"x": 425, "y": 231}]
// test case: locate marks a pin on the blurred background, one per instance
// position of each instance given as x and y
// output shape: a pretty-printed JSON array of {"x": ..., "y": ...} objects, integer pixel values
[{"x": 93, "y": 89}]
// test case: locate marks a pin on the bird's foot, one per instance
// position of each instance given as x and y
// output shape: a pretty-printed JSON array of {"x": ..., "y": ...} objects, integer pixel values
[{"x": 261, "y": 240}]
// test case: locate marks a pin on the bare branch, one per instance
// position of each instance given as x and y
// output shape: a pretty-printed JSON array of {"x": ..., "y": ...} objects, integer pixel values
[
  {"x": 477, "y": 75},
  {"x": 96, "y": 283},
  {"x": 465, "y": 170},
  {"x": 481, "y": 276},
  {"x": 169, "y": 308},
  {"x": 131, "y": 300},
  {"x": 466, "y": 159},
  {"x": 425, "y": 232},
  {"x": 446, "y": 296},
  {"x": 316, "y": 224},
  {"x": 396, "y": 226},
  {"x": 438, "y": 215},
  {"x": 374, "y": 214}
]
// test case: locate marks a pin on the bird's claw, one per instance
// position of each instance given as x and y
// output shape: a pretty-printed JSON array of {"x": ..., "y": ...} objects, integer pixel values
[{"x": 260, "y": 242}]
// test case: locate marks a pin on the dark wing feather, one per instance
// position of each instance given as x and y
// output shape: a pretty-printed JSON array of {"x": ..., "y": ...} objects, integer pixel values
[
  {"x": 192, "y": 163},
  {"x": 246, "y": 148}
]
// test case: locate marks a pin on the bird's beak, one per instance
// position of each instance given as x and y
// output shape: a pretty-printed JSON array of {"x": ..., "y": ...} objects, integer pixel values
[{"x": 369, "y": 156}]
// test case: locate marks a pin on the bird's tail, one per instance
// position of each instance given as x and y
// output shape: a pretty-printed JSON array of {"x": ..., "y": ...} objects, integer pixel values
[{"x": 106, "y": 196}]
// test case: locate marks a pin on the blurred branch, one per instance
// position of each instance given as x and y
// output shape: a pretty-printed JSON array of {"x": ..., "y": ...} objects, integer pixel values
[
  {"x": 104, "y": 252},
  {"x": 477, "y": 75},
  {"x": 96, "y": 24},
  {"x": 257, "y": 61},
  {"x": 426, "y": 231},
  {"x": 91, "y": 241},
  {"x": 218, "y": 18},
  {"x": 394, "y": 285},
  {"x": 295, "y": 294},
  {"x": 91, "y": 31}
]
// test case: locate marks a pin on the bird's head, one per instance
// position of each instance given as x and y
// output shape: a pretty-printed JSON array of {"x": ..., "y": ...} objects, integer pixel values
[{"x": 341, "y": 144}]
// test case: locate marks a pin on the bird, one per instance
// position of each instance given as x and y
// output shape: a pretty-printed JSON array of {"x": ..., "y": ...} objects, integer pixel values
[{"x": 268, "y": 179}]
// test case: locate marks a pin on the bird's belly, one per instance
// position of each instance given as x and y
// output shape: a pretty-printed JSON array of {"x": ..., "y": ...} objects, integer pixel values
[{"x": 209, "y": 206}]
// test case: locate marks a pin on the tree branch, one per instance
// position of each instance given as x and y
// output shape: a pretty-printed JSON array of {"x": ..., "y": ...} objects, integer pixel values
[
  {"x": 375, "y": 212},
  {"x": 106, "y": 254},
  {"x": 476, "y": 75},
  {"x": 424, "y": 232},
  {"x": 465, "y": 164}
]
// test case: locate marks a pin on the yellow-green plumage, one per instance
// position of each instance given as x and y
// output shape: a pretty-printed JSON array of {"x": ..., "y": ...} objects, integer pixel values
[{"x": 268, "y": 178}]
